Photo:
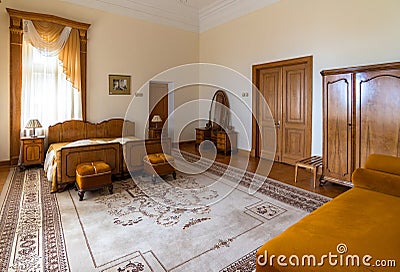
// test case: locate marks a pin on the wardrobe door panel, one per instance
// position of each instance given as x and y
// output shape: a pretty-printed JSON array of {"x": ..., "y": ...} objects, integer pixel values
[
  {"x": 337, "y": 127},
  {"x": 377, "y": 115}
]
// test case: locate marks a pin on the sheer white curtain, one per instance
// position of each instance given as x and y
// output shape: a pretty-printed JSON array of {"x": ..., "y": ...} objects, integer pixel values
[{"x": 46, "y": 93}]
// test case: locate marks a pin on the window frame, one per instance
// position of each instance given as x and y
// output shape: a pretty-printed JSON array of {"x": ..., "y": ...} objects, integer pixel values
[{"x": 16, "y": 39}]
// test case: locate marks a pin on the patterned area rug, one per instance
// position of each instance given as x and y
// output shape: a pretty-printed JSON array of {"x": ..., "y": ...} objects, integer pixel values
[
  {"x": 31, "y": 233},
  {"x": 202, "y": 222}
]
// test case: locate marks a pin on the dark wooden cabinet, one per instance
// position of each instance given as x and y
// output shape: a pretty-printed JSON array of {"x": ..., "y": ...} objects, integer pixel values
[
  {"x": 202, "y": 134},
  {"x": 155, "y": 133},
  {"x": 361, "y": 117},
  {"x": 32, "y": 151},
  {"x": 227, "y": 141}
]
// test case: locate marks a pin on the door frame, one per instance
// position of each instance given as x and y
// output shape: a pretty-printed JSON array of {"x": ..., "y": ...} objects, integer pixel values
[
  {"x": 256, "y": 69},
  {"x": 171, "y": 99}
]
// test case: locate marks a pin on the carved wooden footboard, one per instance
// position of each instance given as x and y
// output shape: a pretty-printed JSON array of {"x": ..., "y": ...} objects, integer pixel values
[
  {"x": 68, "y": 158},
  {"x": 72, "y": 156},
  {"x": 134, "y": 151},
  {"x": 121, "y": 157}
]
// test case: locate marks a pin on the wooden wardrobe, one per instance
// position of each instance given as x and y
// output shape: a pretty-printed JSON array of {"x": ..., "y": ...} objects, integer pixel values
[{"x": 361, "y": 116}]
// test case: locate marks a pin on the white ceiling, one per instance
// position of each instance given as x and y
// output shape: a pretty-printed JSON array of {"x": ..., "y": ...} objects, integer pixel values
[
  {"x": 197, "y": 4},
  {"x": 193, "y": 15}
]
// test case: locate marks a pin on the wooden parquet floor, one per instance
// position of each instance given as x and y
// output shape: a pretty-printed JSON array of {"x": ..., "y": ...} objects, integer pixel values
[
  {"x": 280, "y": 171},
  {"x": 4, "y": 170}
]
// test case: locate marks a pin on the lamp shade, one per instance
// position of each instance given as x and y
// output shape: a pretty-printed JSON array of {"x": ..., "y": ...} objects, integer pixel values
[
  {"x": 156, "y": 119},
  {"x": 33, "y": 123}
]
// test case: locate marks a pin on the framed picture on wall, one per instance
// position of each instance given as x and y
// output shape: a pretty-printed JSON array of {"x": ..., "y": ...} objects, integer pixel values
[{"x": 119, "y": 84}]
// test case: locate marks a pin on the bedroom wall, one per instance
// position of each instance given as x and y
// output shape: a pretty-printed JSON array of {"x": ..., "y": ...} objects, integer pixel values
[
  {"x": 337, "y": 33},
  {"x": 116, "y": 45},
  {"x": 4, "y": 87}
]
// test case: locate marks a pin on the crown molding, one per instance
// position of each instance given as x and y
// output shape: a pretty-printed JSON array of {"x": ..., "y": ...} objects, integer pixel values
[
  {"x": 178, "y": 13},
  {"x": 223, "y": 11},
  {"x": 170, "y": 13}
]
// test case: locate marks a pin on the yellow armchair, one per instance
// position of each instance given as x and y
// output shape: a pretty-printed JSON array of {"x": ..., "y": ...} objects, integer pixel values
[
  {"x": 364, "y": 220},
  {"x": 381, "y": 174}
]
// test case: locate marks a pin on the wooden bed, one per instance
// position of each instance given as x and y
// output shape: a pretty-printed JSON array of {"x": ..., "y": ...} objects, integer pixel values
[
  {"x": 68, "y": 157},
  {"x": 124, "y": 154}
]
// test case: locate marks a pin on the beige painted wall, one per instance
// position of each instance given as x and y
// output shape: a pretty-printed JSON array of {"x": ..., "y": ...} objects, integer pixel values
[
  {"x": 4, "y": 86},
  {"x": 337, "y": 33},
  {"x": 117, "y": 45}
]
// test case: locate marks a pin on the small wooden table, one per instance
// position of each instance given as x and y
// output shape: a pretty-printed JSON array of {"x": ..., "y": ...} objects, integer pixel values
[
  {"x": 311, "y": 163},
  {"x": 202, "y": 134},
  {"x": 155, "y": 132},
  {"x": 227, "y": 142}
]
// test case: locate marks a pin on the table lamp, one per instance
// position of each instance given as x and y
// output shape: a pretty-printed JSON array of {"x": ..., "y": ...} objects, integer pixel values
[
  {"x": 33, "y": 123},
  {"x": 156, "y": 119}
]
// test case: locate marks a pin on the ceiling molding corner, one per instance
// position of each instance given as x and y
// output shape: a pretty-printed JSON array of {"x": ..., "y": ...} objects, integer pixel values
[{"x": 191, "y": 15}]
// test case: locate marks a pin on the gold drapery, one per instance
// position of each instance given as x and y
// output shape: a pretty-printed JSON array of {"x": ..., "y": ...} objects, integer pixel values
[{"x": 70, "y": 55}]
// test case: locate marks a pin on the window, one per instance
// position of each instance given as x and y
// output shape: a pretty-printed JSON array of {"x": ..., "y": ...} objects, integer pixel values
[
  {"x": 46, "y": 93},
  {"x": 15, "y": 42}
]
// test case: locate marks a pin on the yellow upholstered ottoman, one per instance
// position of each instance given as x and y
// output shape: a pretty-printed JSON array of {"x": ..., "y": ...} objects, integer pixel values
[
  {"x": 160, "y": 164},
  {"x": 92, "y": 176}
]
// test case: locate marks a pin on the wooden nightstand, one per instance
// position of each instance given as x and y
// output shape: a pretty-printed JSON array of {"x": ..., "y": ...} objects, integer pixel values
[
  {"x": 202, "y": 134},
  {"x": 155, "y": 133},
  {"x": 32, "y": 151},
  {"x": 227, "y": 141}
]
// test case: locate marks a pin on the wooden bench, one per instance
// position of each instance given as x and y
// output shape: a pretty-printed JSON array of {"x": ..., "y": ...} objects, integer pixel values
[
  {"x": 159, "y": 164},
  {"x": 311, "y": 163},
  {"x": 93, "y": 176}
]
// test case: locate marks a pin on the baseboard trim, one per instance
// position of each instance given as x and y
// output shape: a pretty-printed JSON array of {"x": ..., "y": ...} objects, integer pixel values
[
  {"x": 5, "y": 163},
  {"x": 243, "y": 152}
]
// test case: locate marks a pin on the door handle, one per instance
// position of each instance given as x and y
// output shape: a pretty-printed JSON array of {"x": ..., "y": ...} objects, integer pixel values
[{"x": 278, "y": 124}]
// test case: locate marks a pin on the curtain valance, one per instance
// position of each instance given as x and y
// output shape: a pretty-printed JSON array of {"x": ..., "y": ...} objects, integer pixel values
[
  {"x": 51, "y": 40},
  {"x": 54, "y": 39}
]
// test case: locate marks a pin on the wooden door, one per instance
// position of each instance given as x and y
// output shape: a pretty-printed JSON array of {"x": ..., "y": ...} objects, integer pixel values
[
  {"x": 338, "y": 127},
  {"x": 158, "y": 102},
  {"x": 286, "y": 89},
  {"x": 296, "y": 113},
  {"x": 271, "y": 89},
  {"x": 377, "y": 114}
]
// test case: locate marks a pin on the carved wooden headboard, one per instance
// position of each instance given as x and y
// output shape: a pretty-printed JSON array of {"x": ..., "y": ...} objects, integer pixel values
[{"x": 74, "y": 130}]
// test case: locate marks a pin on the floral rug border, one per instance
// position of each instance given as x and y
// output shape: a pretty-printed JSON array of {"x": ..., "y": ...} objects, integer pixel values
[{"x": 31, "y": 233}]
